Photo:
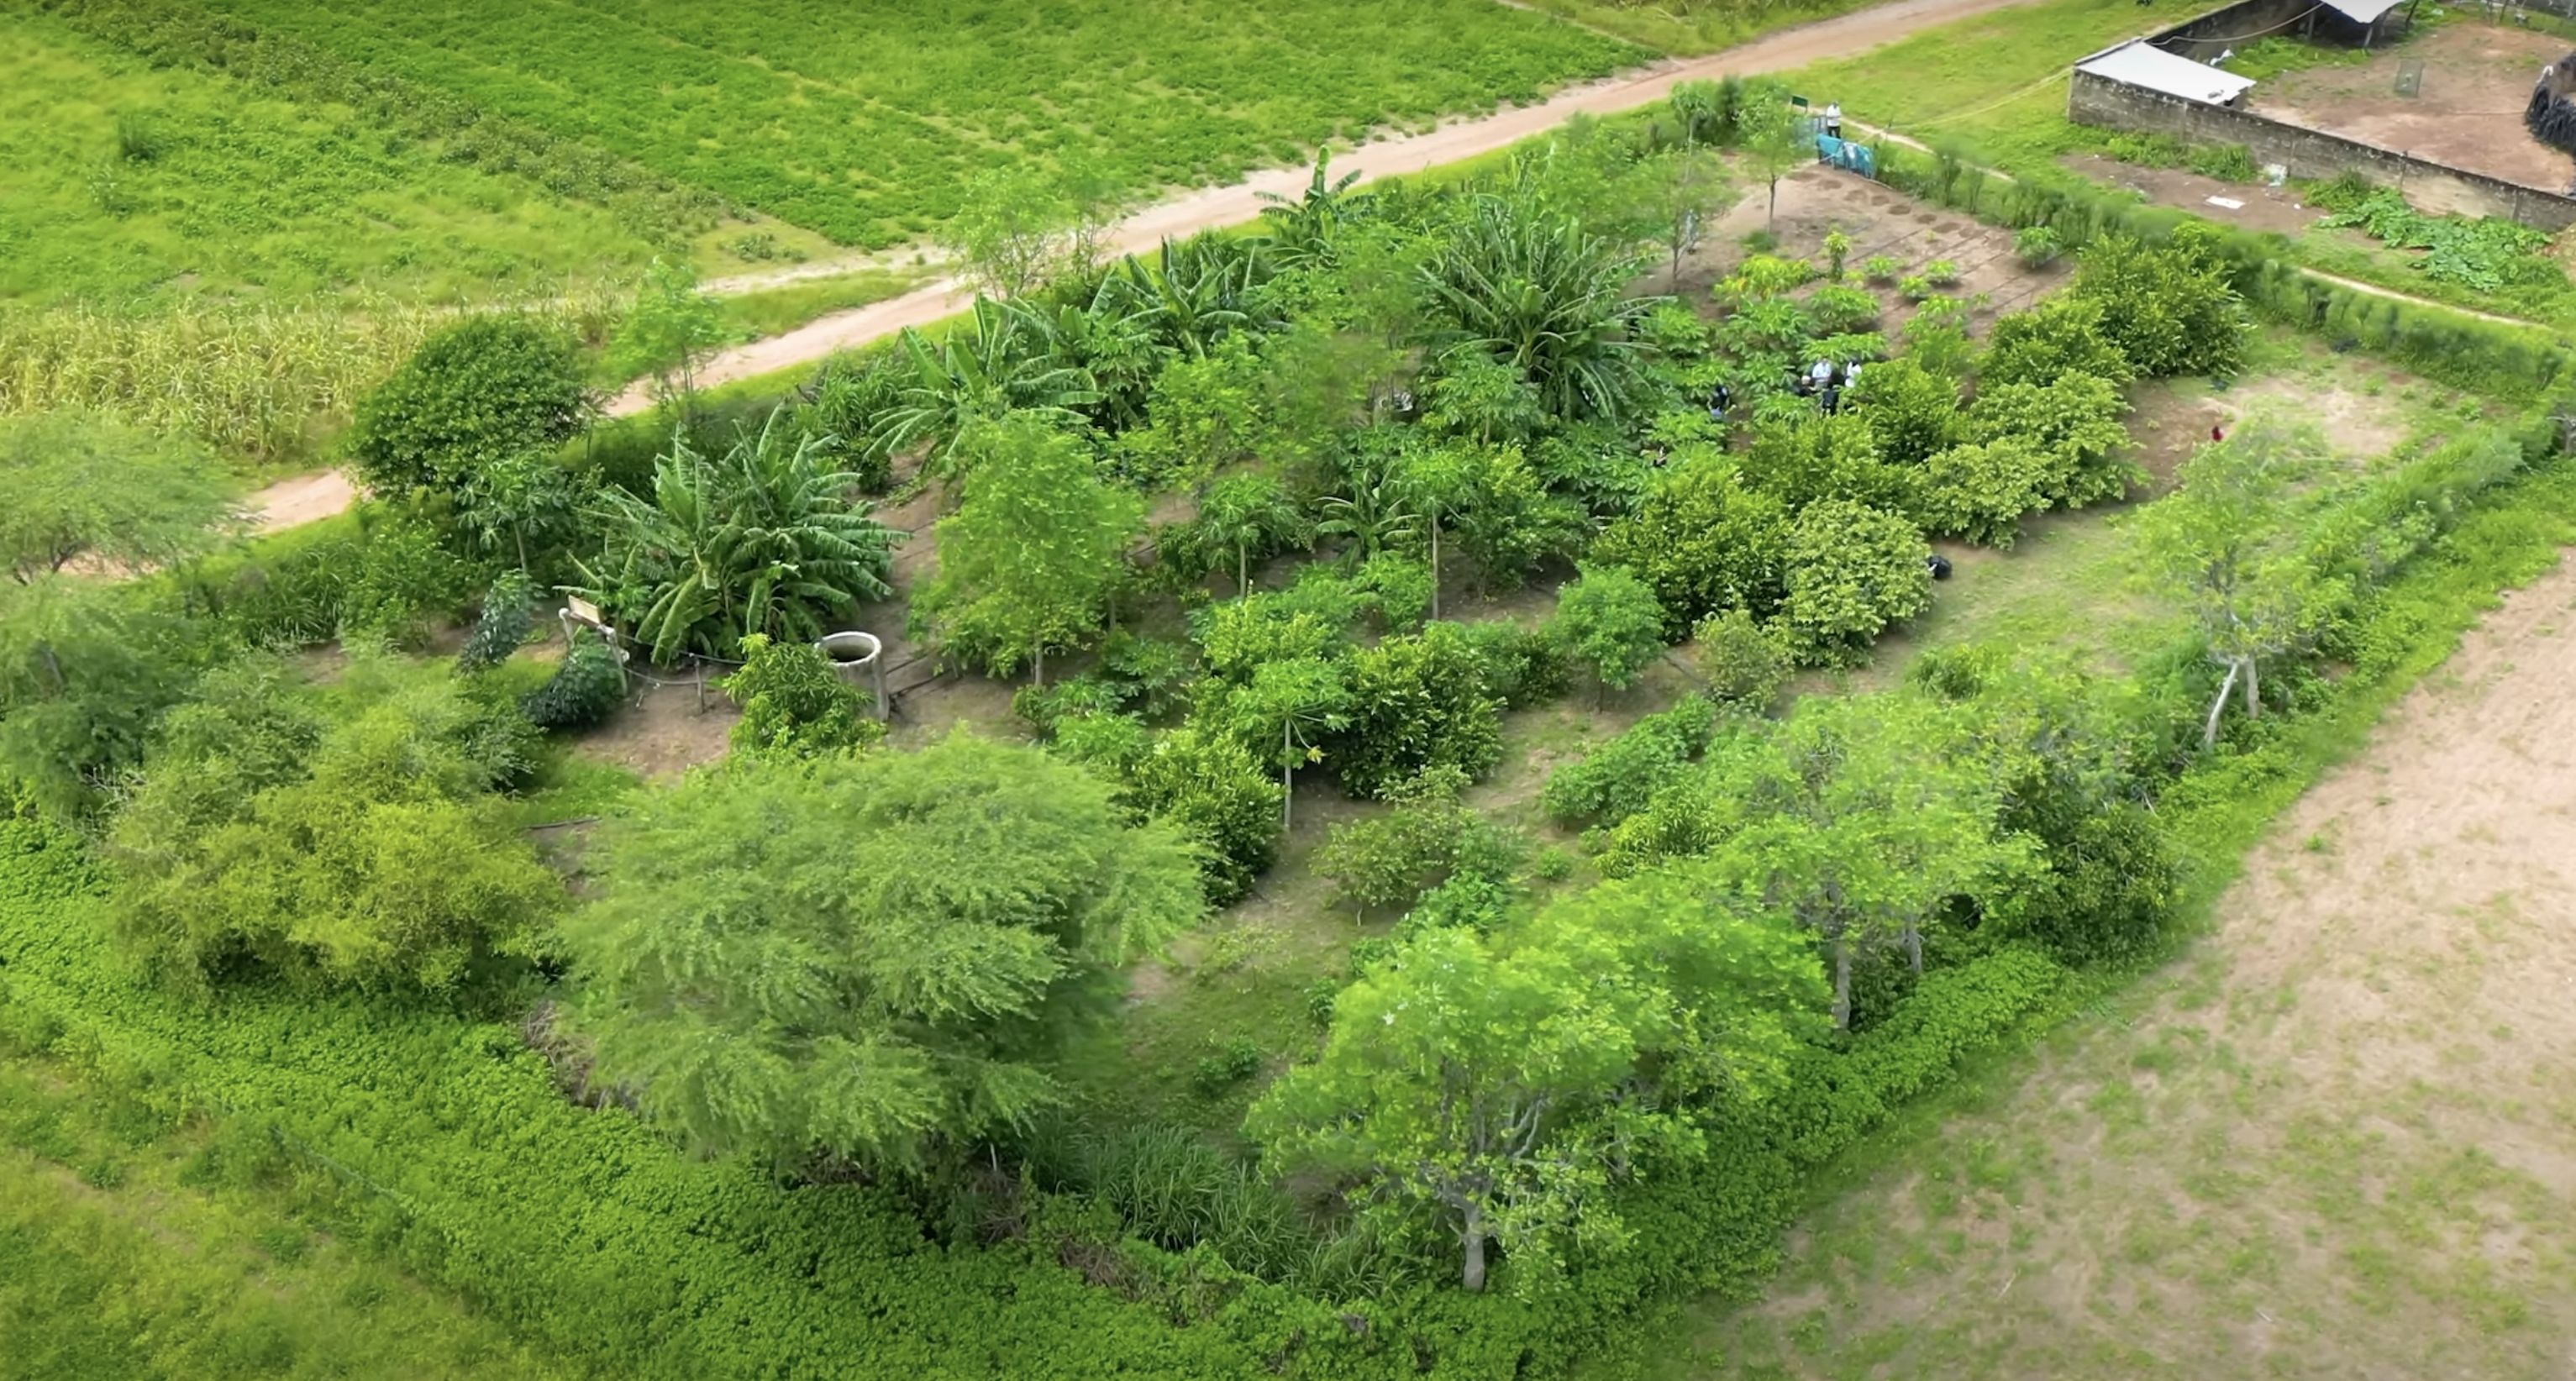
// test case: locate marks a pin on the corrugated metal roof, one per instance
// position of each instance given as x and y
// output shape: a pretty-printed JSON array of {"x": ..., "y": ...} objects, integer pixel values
[
  {"x": 2140, "y": 63},
  {"x": 2361, "y": 11}
]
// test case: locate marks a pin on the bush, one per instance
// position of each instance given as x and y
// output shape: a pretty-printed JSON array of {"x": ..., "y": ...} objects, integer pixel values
[
  {"x": 1228, "y": 1063},
  {"x": 585, "y": 689},
  {"x": 1941, "y": 273},
  {"x": 1745, "y": 662},
  {"x": 1852, "y": 571},
  {"x": 2073, "y": 424},
  {"x": 1418, "y": 702},
  {"x": 1619, "y": 778},
  {"x": 1910, "y": 413},
  {"x": 1978, "y": 492},
  {"x": 1703, "y": 541},
  {"x": 2037, "y": 246},
  {"x": 2171, "y": 310},
  {"x": 1430, "y": 838},
  {"x": 509, "y": 611},
  {"x": 1881, "y": 268},
  {"x": 1608, "y": 620},
  {"x": 2063, "y": 335},
  {"x": 1839, "y": 310},
  {"x": 794, "y": 704},
  {"x": 1210, "y": 788},
  {"x": 2226, "y": 162},
  {"x": 484, "y": 388},
  {"x": 1523, "y": 666}
]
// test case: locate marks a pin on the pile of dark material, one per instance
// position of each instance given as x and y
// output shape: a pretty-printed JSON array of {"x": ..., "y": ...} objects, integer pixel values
[{"x": 2550, "y": 117}]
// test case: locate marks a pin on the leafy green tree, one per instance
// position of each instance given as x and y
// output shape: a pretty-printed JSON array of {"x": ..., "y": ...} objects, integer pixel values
[
  {"x": 474, "y": 394},
  {"x": 1910, "y": 412},
  {"x": 1031, "y": 557},
  {"x": 1013, "y": 230},
  {"x": 1248, "y": 512},
  {"x": 1435, "y": 483},
  {"x": 1373, "y": 511},
  {"x": 2225, "y": 544},
  {"x": 1304, "y": 231},
  {"x": 1500, "y": 1087},
  {"x": 1827, "y": 457},
  {"x": 1769, "y": 139},
  {"x": 586, "y": 688},
  {"x": 1430, "y": 837},
  {"x": 1978, "y": 492},
  {"x": 1417, "y": 701},
  {"x": 1212, "y": 789},
  {"x": 1703, "y": 541},
  {"x": 1853, "y": 570},
  {"x": 1511, "y": 525},
  {"x": 1535, "y": 293},
  {"x": 794, "y": 705},
  {"x": 867, "y": 958},
  {"x": 366, "y": 851},
  {"x": 78, "y": 487},
  {"x": 1475, "y": 397},
  {"x": 669, "y": 330},
  {"x": 86, "y": 669},
  {"x": 1611, "y": 621},
  {"x": 518, "y": 499},
  {"x": 1296, "y": 704},
  {"x": 1745, "y": 662},
  {"x": 1206, "y": 412},
  {"x": 2073, "y": 422},
  {"x": 1858, "y": 815},
  {"x": 759, "y": 538},
  {"x": 1689, "y": 191}
]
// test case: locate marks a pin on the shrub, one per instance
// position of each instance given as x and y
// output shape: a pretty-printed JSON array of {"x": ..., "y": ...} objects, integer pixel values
[
  {"x": 2172, "y": 309},
  {"x": 1745, "y": 662},
  {"x": 509, "y": 611},
  {"x": 1431, "y": 837},
  {"x": 1418, "y": 702},
  {"x": 2063, "y": 335},
  {"x": 1618, "y": 779},
  {"x": 794, "y": 704},
  {"x": 486, "y": 387},
  {"x": 2073, "y": 424},
  {"x": 1941, "y": 273},
  {"x": 1229, "y": 1062},
  {"x": 2226, "y": 162},
  {"x": 1910, "y": 413},
  {"x": 1523, "y": 666},
  {"x": 1840, "y": 310},
  {"x": 2037, "y": 246},
  {"x": 1881, "y": 268},
  {"x": 1852, "y": 571},
  {"x": 1704, "y": 542},
  {"x": 1914, "y": 287},
  {"x": 585, "y": 689},
  {"x": 1978, "y": 492},
  {"x": 1608, "y": 619},
  {"x": 1210, "y": 788}
]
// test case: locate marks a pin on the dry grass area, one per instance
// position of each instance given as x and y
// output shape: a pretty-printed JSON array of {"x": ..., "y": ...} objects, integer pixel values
[{"x": 2335, "y": 1140}]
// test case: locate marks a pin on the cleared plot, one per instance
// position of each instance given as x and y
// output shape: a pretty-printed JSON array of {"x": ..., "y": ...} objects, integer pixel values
[
  {"x": 2468, "y": 112},
  {"x": 864, "y": 122},
  {"x": 2332, "y": 1143},
  {"x": 117, "y": 178}
]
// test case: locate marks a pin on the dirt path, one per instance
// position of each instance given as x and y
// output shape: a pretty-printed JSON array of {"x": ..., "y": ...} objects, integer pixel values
[{"x": 2339, "y": 1142}]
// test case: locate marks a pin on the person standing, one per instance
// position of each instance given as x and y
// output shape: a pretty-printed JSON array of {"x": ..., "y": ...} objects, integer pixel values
[{"x": 1833, "y": 119}]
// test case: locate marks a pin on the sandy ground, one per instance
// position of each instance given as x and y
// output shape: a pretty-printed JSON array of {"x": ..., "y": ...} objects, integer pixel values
[
  {"x": 303, "y": 499},
  {"x": 2468, "y": 114},
  {"x": 2339, "y": 1139}
]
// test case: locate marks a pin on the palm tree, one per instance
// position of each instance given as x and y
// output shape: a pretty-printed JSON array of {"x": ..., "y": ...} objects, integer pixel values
[
  {"x": 758, "y": 539},
  {"x": 1532, "y": 291},
  {"x": 997, "y": 363},
  {"x": 1106, "y": 337},
  {"x": 1196, "y": 290}
]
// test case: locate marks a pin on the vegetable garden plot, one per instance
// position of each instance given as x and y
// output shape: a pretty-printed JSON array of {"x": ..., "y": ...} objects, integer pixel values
[{"x": 865, "y": 127}]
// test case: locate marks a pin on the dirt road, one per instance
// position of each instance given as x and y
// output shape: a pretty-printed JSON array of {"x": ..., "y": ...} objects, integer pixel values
[{"x": 2339, "y": 1144}]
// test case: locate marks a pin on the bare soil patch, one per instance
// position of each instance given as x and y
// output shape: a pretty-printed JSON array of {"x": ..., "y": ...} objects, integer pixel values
[
  {"x": 2468, "y": 114},
  {"x": 1880, "y": 220},
  {"x": 2336, "y": 1140},
  {"x": 2258, "y": 208}
]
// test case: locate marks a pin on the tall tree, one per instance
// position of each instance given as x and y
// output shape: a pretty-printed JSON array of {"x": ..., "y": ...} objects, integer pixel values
[
  {"x": 1688, "y": 191},
  {"x": 1284, "y": 711},
  {"x": 1772, "y": 138},
  {"x": 1031, "y": 558},
  {"x": 1436, "y": 482},
  {"x": 1858, "y": 815},
  {"x": 867, "y": 958},
  {"x": 1013, "y": 230},
  {"x": 1505, "y": 1084},
  {"x": 76, "y": 486},
  {"x": 2225, "y": 542}
]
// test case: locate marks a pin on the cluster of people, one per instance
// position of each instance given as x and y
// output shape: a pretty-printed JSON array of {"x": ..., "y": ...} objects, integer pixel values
[{"x": 1825, "y": 381}]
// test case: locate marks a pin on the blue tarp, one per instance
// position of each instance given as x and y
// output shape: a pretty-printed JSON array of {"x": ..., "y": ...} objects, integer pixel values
[{"x": 1842, "y": 153}]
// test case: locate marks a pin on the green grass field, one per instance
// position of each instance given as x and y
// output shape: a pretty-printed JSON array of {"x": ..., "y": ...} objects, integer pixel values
[
  {"x": 222, "y": 187},
  {"x": 866, "y": 130}
]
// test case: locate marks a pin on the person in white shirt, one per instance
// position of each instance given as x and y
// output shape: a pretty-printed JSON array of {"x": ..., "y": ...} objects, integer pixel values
[{"x": 1834, "y": 119}]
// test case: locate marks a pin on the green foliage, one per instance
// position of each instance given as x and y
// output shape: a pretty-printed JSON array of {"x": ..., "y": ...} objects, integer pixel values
[
  {"x": 1206, "y": 785},
  {"x": 1881, "y": 268},
  {"x": 507, "y": 616},
  {"x": 1978, "y": 491},
  {"x": 1429, "y": 839},
  {"x": 2063, "y": 335},
  {"x": 2226, "y": 162},
  {"x": 1852, "y": 571},
  {"x": 864, "y": 957},
  {"x": 758, "y": 538},
  {"x": 1703, "y": 541},
  {"x": 2170, "y": 310},
  {"x": 77, "y": 485},
  {"x": 1608, "y": 620},
  {"x": 667, "y": 330},
  {"x": 1537, "y": 294},
  {"x": 795, "y": 705},
  {"x": 1249, "y": 514},
  {"x": 2485, "y": 254},
  {"x": 2037, "y": 246},
  {"x": 1837, "y": 457},
  {"x": 586, "y": 688},
  {"x": 1910, "y": 411},
  {"x": 268, "y": 840},
  {"x": 488, "y": 387},
  {"x": 85, "y": 670},
  {"x": 1229, "y": 1063},
  {"x": 1839, "y": 309},
  {"x": 1417, "y": 701},
  {"x": 1523, "y": 666},
  {"x": 1501, "y": 1088},
  {"x": 1031, "y": 557},
  {"x": 2073, "y": 424},
  {"x": 1745, "y": 663},
  {"x": 1621, "y": 777}
]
